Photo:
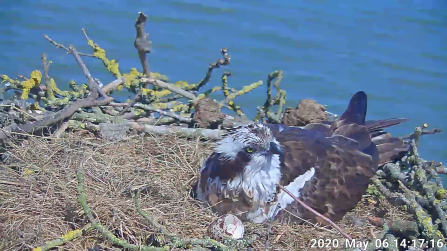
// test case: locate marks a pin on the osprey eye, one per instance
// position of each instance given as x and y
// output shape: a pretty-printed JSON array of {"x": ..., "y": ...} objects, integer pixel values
[{"x": 249, "y": 149}]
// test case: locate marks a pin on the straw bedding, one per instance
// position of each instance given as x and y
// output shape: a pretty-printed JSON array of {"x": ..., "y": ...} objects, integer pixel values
[{"x": 38, "y": 196}]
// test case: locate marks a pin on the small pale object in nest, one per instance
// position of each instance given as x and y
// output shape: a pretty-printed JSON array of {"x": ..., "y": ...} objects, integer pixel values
[{"x": 226, "y": 226}]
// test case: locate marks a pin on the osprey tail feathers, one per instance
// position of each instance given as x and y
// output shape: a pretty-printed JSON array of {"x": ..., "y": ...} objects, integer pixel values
[
  {"x": 356, "y": 111},
  {"x": 351, "y": 123},
  {"x": 390, "y": 148},
  {"x": 375, "y": 127}
]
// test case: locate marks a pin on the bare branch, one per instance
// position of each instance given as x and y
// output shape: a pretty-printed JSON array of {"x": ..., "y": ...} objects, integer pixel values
[
  {"x": 56, "y": 117},
  {"x": 85, "y": 34},
  {"x": 171, "y": 87},
  {"x": 142, "y": 43},
  {"x": 179, "y": 130},
  {"x": 58, "y": 45},
  {"x": 419, "y": 131},
  {"x": 65, "y": 238},
  {"x": 165, "y": 113},
  {"x": 396, "y": 226},
  {"x": 113, "y": 85},
  {"x": 91, "y": 82},
  {"x": 219, "y": 62},
  {"x": 143, "y": 46},
  {"x": 62, "y": 127},
  {"x": 46, "y": 64}
]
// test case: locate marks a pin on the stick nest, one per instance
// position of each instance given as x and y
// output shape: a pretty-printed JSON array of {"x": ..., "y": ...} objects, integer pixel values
[{"x": 38, "y": 200}]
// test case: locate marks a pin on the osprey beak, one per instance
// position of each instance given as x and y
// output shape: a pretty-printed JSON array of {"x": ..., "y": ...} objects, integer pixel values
[{"x": 276, "y": 149}]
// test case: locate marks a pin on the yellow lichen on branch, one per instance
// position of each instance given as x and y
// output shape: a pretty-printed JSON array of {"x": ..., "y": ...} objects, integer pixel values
[
  {"x": 244, "y": 90},
  {"x": 55, "y": 89},
  {"x": 184, "y": 85},
  {"x": 208, "y": 92},
  {"x": 226, "y": 92},
  {"x": 27, "y": 85},
  {"x": 64, "y": 238},
  {"x": 156, "y": 94},
  {"x": 36, "y": 107},
  {"x": 279, "y": 99},
  {"x": 5, "y": 78},
  {"x": 225, "y": 84},
  {"x": 174, "y": 106},
  {"x": 131, "y": 78},
  {"x": 111, "y": 65}
]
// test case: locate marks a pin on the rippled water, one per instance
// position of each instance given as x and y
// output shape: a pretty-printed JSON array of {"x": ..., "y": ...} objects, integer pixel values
[{"x": 395, "y": 51}]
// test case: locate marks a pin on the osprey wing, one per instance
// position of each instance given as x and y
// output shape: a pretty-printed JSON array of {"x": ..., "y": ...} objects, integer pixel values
[{"x": 342, "y": 163}]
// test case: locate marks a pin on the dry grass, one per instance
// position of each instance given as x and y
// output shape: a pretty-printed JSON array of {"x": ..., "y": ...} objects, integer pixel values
[{"x": 38, "y": 196}]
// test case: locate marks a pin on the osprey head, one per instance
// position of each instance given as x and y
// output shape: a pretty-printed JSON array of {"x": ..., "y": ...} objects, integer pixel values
[
  {"x": 252, "y": 142},
  {"x": 242, "y": 172}
]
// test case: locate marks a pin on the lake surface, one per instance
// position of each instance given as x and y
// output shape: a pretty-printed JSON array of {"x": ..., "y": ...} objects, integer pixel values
[{"x": 395, "y": 51}]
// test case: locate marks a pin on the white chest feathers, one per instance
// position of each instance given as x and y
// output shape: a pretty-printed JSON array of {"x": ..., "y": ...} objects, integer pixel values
[
  {"x": 258, "y": 182},
  {"x": 294, "y": 187},
  {"x": 258, "y": 214}
]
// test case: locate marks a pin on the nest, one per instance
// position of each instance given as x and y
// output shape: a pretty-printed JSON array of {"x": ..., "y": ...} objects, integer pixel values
[{"x": 38, "y": 195}]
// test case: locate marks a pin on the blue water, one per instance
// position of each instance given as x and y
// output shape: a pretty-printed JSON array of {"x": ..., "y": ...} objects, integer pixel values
[{"x": 395, "y": 51}]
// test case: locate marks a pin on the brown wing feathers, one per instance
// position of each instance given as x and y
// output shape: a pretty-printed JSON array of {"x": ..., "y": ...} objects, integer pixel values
[{"x": 341, "y": 173}]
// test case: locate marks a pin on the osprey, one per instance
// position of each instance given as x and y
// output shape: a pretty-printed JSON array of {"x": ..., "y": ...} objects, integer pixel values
[{"x": 327, "y": 165}]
